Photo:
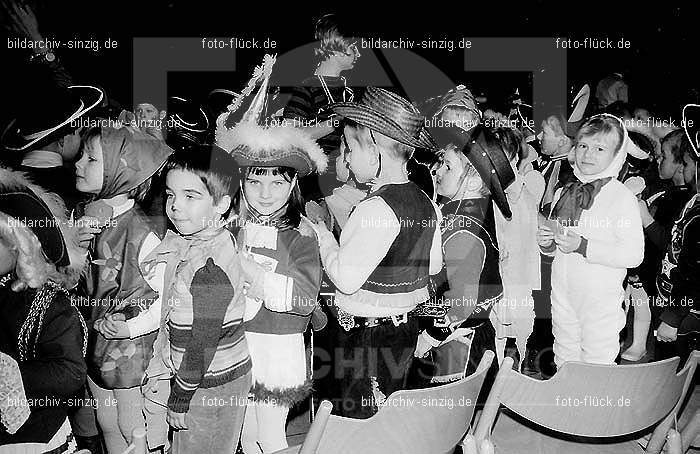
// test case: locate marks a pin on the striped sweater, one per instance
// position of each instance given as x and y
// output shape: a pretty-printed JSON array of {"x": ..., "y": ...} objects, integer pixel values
[{"x": 201, "y": 340}]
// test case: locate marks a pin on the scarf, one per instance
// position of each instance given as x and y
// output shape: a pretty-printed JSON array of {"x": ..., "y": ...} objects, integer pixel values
[{"x": 579, "y": 195}]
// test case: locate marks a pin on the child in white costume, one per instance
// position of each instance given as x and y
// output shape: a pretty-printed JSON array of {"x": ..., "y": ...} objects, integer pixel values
[{"x": 596, "y": 237}]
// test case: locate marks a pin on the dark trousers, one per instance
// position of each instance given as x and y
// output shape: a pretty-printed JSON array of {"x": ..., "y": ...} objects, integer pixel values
[
  {"x": 373, "y": 362},
  {"x": 541, "y": 341}
]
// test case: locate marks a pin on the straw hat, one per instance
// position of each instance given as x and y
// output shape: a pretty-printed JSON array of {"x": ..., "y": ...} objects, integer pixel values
[{"x": 389, "y": 114}]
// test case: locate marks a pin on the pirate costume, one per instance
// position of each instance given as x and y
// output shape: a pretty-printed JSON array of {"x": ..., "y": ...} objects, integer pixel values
[{"x": 43, "y": 336}]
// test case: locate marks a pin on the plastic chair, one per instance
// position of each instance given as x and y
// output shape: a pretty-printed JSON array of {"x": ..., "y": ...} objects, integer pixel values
[
  {"x": 590, "y": 400},
  {"x": 313, "y": 436},
  {"x": 431, "y": 420}
]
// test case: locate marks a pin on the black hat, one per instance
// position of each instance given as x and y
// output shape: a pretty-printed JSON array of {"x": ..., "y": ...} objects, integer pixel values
[
  {"x": 187, "y": 120},
  {"x": 21, "y": 203},
  {"x": 484, "y": 151},
  {"x": 691, "y": 126},
  {"x": 49, "y": 110}
]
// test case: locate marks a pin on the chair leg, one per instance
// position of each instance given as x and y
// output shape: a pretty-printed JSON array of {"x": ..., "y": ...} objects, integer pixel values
[
  {"x": 691, "y": 430},
  {"x": 658, "y": 438}
]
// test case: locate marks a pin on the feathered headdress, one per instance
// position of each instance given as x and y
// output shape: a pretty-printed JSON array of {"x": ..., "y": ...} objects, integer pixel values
[{"x": 255, "y": 141}]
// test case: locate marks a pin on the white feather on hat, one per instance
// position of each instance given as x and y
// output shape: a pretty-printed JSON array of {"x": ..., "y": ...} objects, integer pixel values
[{"x": 272, "y": 145}]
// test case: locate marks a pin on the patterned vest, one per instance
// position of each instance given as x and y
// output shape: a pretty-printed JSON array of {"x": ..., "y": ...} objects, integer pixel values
[{"x": 114, "y": 284}]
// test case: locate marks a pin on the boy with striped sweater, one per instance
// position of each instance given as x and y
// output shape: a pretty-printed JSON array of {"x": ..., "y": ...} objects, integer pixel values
[{"x": 201, "y": 341}]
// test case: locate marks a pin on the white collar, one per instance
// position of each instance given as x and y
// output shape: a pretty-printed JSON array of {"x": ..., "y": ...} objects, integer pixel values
[
  {"x": 123, "y": 208},
  {"x": 42, "y": 159}
]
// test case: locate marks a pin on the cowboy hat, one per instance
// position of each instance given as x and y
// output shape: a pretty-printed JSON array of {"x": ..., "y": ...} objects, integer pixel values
[
  {"x": 482, "y": 148},
  {"x": 51, "y": 110},
  {"x": 389, "y": 114}
]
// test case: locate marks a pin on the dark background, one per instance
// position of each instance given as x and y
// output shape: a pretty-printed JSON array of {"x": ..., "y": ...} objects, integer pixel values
[{"x": 659, "y": 65}]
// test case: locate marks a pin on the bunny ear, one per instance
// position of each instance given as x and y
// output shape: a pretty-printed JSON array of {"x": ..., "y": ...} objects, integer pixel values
[
  {"x": 691, "y": 126},
  {"x": 580, "y": 103}
]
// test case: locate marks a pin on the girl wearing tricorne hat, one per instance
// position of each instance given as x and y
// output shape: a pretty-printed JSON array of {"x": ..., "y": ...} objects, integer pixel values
[
  {"x": 281, "y": 264},
  {"x": 42, "y": 335}
]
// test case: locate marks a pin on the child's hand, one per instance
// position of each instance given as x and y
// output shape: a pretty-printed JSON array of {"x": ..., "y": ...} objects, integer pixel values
[
  {"x": 87, "y": 229},
  {"x": 647, "y": 218},
  {"x": 176, "y": 420},
  {"x": 567, "y": 241},
  {"x": 545, "y": 236},
  {"x": 666, "y": 333},
  {"x": 114, "y": 326},
  {"x": 251, "y": 269}
]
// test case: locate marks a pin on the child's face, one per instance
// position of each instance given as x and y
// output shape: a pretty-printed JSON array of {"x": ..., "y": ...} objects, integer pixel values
[
  {"x": 550, "y": 141},
  {"x": 689, "y": 168},
  {"x": 267, "y": 193},
  {"x": 594, "y": 153},
  {"x": 448, "y": 174},
  {"x": 360, "y": 159},
  {"x": 189, "y": 205},
  {"x": 89, "y": 169},
  {"x": 667, "y": 164},
  {"x": 147, "y": 114}
]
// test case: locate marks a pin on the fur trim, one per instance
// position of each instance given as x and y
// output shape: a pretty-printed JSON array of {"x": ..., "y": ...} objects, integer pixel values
[
  {"x": 287, "y": 397},
  {"x": 67, "y": 276},
  {"x": 267, "y": 143}
]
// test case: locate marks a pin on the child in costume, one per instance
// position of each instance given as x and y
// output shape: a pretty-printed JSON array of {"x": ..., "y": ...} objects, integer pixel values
[
  {"x": 201, "y": 341},
  {"x": 388, "y": 249},
  {"x": 116, "y": 166},
  {"x": 42, "y": 335},
  {"x": 470, "y": 282},
  {"x": 282, "y": 266},
  {"x": 594, "y": 232},
  {"x": 679, "y": 292}
]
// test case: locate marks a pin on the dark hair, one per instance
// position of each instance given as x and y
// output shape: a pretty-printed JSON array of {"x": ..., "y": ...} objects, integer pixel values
[
  {"x": 331, "y": 35},
  {"x": 295, "y": 205},
  {"x": 643, "y": 142},
  {"x": 216, "y": 168},
  {"x": 511, "y": 142},
  {"x": 620, "y": 109},
  {"x": 679, "y": 143}
]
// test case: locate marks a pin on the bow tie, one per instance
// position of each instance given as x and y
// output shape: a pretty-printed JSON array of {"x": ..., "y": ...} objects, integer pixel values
[{"x": 576, "y": 197}]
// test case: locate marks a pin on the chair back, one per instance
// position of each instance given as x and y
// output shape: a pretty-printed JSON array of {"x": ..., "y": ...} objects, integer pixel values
[
  {"x": 591, "y": 400},
  {"x": 431, "y": 420}
]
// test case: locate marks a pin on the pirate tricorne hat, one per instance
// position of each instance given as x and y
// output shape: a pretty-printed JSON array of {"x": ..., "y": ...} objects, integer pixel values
[
  {"x": 255, "y": 141},
  {"x": 36, "y": 223},
  {"x": 389, "y": 114},
  {"x": 691, "y": 126},
  {"x": 49, "y": 111}
]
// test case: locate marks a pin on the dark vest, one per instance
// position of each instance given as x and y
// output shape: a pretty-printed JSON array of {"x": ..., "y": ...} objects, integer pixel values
[
  {"x": 476, "y": 217},
  {"x": 406, "y": 265}
]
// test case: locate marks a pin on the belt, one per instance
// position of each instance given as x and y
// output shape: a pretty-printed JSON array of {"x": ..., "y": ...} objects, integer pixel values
[{"x": 349, "y": 321}]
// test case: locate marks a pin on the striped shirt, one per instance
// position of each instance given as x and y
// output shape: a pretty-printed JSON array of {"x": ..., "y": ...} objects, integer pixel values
[{"x": 203, "y": 310}]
